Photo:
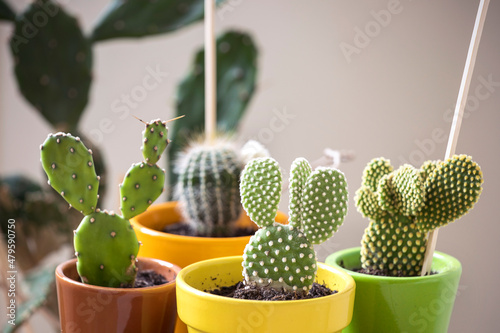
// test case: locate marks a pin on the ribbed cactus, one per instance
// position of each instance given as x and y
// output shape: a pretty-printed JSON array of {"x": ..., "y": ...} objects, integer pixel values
[
  {"x": 207, "y": 189},
  {"x": 282, "y": 256},
  {"x": 105, "y": 243},
  {"x": 404, "y": 204}
]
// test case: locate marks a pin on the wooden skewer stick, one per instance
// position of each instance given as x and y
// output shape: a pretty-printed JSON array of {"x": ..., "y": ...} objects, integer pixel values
[
  {"x": 210, "y": 72},
  {"x": 458, "y": 115}
]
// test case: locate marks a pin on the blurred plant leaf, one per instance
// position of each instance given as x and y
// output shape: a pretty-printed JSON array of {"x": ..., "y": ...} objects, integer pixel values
[
  {"x": 138, "y": 18},
  {"x": 52, "y": 63},
  {"x": 236, "y": 76},
  {"x": 6, "y": 13}
]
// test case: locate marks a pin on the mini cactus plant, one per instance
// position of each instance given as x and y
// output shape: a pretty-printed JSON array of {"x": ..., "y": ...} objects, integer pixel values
[
  {"x": 105, "y": 243},
  {"x": 208, "y": 185},
  {"x": 282, "y": 256},
  {"x": 404, "y": 204}
]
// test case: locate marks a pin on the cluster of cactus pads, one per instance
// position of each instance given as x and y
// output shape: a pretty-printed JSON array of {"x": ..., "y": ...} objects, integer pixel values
[
  {"x": 208, "y": 184},
  {"x": 404, "y": 204},
  {"x": 282, "y": 256},
  {"x": 105, "y": 243}
]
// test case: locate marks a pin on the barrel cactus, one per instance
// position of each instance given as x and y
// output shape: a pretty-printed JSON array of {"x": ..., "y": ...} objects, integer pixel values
[
  {"x": 404, "y": 204},
  {"x": 106, "y": 246},
  {"x": 282, "y": 256},
  {"x": 208, "y": 187}
]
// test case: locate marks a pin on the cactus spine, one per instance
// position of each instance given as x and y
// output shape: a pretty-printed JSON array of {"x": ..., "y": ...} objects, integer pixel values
[
  {"x": 207, "y": 190},
  {"x": 404, "y": 204},
  {"x": 282, "y": 256},
  {"x": 105, "y": 243}
]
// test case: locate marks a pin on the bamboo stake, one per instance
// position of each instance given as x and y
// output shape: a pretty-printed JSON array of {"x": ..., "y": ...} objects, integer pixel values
[
  {"x": 458, "y": 115},
  {"x": 210, "y": 72}
]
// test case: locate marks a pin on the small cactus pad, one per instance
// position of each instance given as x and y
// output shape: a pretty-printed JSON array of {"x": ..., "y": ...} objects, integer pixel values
[
  {"x": 142, "y": 185},
  {"x": 70, "y": 169},
  {"x": 374, "y": 171},
  {"x": 393, "y": 244},
  {"x": 260, "y": 189},
  {"x": 452, "y": 189},
  {"x": 281, "y": 257},
  {"x": 407, "y": 190},
  {"x": 106, "y": 248},
  {"x": 367, "y": 203},
  {"x": 300, "y": 170},
  {"x": 324, "y": 204},
  {"x": 155, "y": 141}
]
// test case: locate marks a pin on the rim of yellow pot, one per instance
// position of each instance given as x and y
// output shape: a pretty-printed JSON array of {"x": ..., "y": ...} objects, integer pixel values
[{"x": 172, "y": 205}]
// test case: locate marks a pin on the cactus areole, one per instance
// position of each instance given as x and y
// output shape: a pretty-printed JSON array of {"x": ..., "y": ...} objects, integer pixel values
[
  {"x": 404, "y": 204},
  {"x": 282, "y": 256},
  {"x": 105, "y": 243}
]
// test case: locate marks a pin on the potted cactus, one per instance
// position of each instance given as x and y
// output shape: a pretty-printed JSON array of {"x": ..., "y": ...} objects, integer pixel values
[
  {"x": 278, "y": 256},
  {"x": 93, "y": 288},
  {"x": 403, "y": 205}
]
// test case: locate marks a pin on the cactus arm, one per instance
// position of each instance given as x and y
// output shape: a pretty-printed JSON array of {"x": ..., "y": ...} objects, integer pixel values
[
  {"x": 138, "y": 18},
  {"x": 260, "y": 188},
  {"x": 427, "y": 168},
  {"x": 452, "y": 189},
  {"x": 70, "y": 169},
  {"x": 6, "y": 13},
  {"x": 142, "y": 185},
  {"x": 374, "y": 171},
  {"x": 106, "y": 247},
  {"x": 408, "y": 189},
  {"x": 280, "y": 256},
  {"x": 56, "y": 80},
  {"x": 155, "y": 141},
  {"x": 324, "y": 204},
  {"x": 299, "y": 172},
  {"x": 367, "y": 203}
]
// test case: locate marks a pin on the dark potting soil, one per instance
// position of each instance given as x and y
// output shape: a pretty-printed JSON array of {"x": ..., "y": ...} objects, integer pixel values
[
  {"x": 149, "y": 278},
  {"x": 377, "y": 272},
  {"x": 184, "y": 229},
  {"x": 254, "y": 292}
]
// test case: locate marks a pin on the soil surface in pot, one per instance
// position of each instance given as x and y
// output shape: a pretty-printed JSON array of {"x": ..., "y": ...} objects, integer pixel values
[
  {"x": 377, "y": 272},
  {"x": 184, "y": 229},
  {"x": 149, "y": 278},
  {"x": 254, "y": 292}
]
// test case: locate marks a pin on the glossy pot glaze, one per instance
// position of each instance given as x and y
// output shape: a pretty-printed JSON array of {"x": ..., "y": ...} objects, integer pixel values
[
  {"x": 85, "y": 308},
  {"x": 204, "y": 312},
  {"x": 401, "y": 304}
]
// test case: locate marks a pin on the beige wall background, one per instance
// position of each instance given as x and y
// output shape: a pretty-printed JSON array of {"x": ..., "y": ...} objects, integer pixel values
[{"x": 391, "y": 96}]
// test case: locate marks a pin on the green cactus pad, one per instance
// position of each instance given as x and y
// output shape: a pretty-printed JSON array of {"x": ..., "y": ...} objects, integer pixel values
[
  {"x": 106, "y": 248},
  {"x": 408, "y": 190},
  {"x": 324, "y": 204},
  {"x": 260, "y": 189},
  {"x": 281, "y": 257},
  {"x": 155, "y": 141},
  {"x": 374, "y": 171},
  {"x": 367, "y": 203},
  {"x": 138, "y": 18},
  {"x": 393, "y": 244},
  {"x": 70, "y": 169},
  {"x": 6, "y": 13},
  {"x": 299, "y": 172},
  {"x": 142, "y": 185},
  {"x": 208, "y": 190},
  {"x": 427, "y": 168},
  {"x": 236, "y": 80},
  {"x": 53, "y": 64},
  {"x": 452, "y": 189}
]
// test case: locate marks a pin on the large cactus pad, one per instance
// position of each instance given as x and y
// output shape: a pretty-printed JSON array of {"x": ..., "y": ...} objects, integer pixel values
[
  {"x": 106, "y": 247},
  {"x": 70, "y": 169},
  {"x": 281, "y": 257}
]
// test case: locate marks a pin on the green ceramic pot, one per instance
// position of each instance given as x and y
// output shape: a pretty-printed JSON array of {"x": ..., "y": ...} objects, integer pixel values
[{"x": 401, "y": 304}]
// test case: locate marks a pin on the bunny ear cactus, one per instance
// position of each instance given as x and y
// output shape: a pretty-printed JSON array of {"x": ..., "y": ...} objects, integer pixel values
[
  {"x": 207, "y": 189},
  {"x": 105, "y": 243},
  {"x": 282, "y": 256},
  {"x": 403, "y": 205}
]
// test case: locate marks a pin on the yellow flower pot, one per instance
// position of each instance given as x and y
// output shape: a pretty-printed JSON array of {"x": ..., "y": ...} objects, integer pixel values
[{"x": 204, "y": 312}]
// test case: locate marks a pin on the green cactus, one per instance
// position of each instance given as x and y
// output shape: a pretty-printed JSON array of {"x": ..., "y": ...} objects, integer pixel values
[
  {"x": 155, "y": 141},
  {"x": 105, "y": 244},
  {"x": 404, "y": 204},
  {"x": 6, "y": 13},
  {"x": 53, "y": 65},
  {"x": 138, "y": 18},
  {"x": 207, "y": 190},
  {"x": 282, "y": 256},
  {"x": 236, "y": 79}
]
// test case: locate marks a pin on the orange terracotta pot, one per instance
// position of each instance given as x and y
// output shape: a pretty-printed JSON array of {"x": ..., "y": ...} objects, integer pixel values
[
  {"x": 185, "y": 250},
  {"x": 85, "y": 308}
]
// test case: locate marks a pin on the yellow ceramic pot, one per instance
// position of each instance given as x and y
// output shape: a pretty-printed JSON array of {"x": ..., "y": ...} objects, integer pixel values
[
  {"x": 184, "y": 250},
  {"x": 204, "y": 312}
]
